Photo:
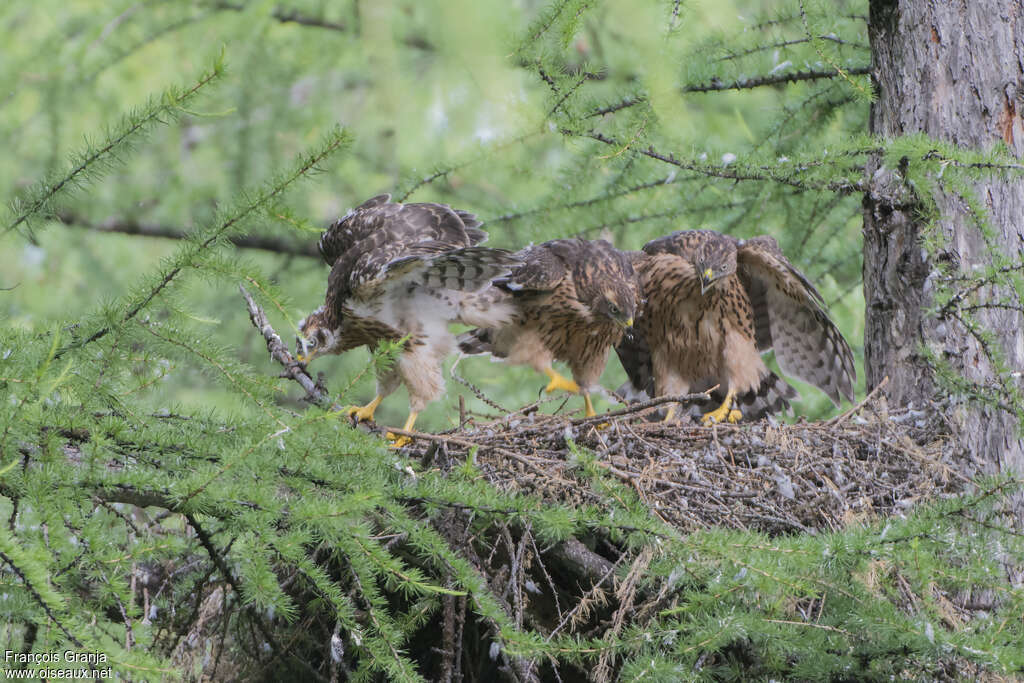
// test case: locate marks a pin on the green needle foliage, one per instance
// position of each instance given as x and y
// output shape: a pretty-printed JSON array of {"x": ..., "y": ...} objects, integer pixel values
[{"x": 167, "y": 500}]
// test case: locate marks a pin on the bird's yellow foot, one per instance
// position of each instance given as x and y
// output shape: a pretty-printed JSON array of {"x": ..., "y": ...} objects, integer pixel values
[
  {"x": 364, "y": 413},
  {"x": 397, "y": 440},
  {"x": 723, "y": 413},
  {"x": 670, "y": 414},
  {"x": 400, "y": 441},
  {"x": 558, "y": 382},
  {"x": 590, "y": 412}
]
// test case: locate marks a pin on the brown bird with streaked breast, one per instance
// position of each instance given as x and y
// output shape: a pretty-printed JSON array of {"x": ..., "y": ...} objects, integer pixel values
[
  {"x": 573, "y": 299},
  {"x": 404, "y": 271},
  {"x": 712, "y": 305}
]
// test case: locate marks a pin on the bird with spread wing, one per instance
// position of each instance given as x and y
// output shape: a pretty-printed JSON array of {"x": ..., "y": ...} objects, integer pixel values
[
  {"x": 404, "y": 271},
  {"x": 573, "y": 300},
  {"x": 712, "y": 305}
]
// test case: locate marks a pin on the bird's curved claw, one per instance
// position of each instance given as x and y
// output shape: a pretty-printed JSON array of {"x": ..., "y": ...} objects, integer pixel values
[
  {"x": 722, "y": 414},
  {"x": 364, "y": 413},
  {"x": 400, "y": 440}
]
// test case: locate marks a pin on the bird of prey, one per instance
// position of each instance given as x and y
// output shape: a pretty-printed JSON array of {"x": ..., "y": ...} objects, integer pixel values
[
  {"x": 713, "y": 304},
  {"x": 403, "y": 271},
  {"x": 573, "y": 300}
]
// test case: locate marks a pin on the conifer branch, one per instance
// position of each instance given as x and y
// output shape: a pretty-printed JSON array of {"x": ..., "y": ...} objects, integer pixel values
[
  {"x": 90, "y": 162},
  {"x": 39, "y": 599},
  {"x": 716, "y": 84},
  {"x": 674, "y": 16},
  {"x": 817, "y": 42},
  {"x": 285, "y": 16},
  {"x": 764, "y": 173},
  {"x": 130, "y": 226},
  {"x": 590, "y": 201},
  {"x": 789, "y": 43},
  {"x": 191, "y": 254},
  {"x": 222, "y": 567},
  {"x": 624, "y": 103},
  {"x": 444, "y": 172}
]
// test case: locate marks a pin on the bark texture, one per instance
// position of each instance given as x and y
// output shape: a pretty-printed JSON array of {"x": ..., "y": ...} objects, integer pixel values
[{"x": 955, "y": 71}]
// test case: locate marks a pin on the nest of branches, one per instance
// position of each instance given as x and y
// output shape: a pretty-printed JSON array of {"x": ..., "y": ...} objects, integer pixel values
[{"x": 761, "y": 476}]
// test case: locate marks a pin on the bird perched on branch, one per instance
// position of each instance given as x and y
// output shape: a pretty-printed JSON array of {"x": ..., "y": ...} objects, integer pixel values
[
  {"x": 404, "y": 271},
  {"x": 573, "y": 300},
  {"x": 713, "y": 304}
]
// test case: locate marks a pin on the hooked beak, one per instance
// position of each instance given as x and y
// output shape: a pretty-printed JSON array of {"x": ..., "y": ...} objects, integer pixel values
[{"x": 707, "y": 278}]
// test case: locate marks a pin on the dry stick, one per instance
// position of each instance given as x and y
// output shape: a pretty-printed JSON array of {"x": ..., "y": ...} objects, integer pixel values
[
  {"x": 638, "y": 407},
  {"x": 856, "y": 409},
  {"x": 466, "y": 443},
  {"x": 279, "y": 352}
]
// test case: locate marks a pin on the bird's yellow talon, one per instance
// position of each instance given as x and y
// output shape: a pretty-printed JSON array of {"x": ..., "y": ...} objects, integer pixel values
[
  {"x": 364, "y": 413},
  {"x": 723, "y": 413},
  {"x": 558, "y": 382},
  {"x": 398, "y": 441},
  {"x": 590, "y": 412}
]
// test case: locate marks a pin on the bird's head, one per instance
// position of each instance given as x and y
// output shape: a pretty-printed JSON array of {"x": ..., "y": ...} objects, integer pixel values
[
  {"x": 315, "y": 337},
  {"x": 713, "y": 261},
  {"x": 617, "y": 304}
]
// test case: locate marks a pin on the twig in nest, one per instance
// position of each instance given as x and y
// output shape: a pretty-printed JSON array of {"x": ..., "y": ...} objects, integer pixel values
[
  {"x": 857, "y": 408},
  {"x": 315, "y": 391},
  {"x": 639, "y": 407}
]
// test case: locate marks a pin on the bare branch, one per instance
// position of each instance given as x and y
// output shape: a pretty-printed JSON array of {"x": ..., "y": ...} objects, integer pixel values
[
  {"x": 315, "y": 391},
  {"x": 133, "y": 227}
]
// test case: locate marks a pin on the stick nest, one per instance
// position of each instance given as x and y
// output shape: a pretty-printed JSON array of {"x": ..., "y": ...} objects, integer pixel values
[{"x": 763, "y": 476}]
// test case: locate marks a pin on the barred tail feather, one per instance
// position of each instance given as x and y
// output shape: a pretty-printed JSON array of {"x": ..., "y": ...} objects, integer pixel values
[
  {"x": 771, "y": 397},
  {"x": 468, "y": 269}
]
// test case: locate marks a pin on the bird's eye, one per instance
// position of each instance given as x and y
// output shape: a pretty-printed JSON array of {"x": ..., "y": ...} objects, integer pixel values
[
  {"x": 613, "y": 309},
  {"x": 312, "y": 343}
]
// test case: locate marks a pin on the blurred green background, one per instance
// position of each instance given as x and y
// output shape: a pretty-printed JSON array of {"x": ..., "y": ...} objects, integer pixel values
[{"x": 456, "y": 92}]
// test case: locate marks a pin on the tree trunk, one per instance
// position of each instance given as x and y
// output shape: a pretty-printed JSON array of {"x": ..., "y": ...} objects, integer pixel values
[{"x": 954, "y": 71}]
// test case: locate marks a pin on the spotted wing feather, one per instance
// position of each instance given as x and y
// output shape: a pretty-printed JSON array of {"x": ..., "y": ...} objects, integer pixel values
[
  {"x": 790, "y": 318},
  {"x": 380, "y": 241},
  {"x": 541, "y": 270},
  {"x": 355, "y": 226}
]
